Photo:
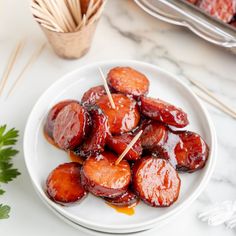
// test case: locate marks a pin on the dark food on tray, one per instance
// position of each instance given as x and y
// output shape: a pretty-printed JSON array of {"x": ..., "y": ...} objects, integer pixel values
[
  {"x": 224, "y": 10},
  {"x": 97, "y": 135}
]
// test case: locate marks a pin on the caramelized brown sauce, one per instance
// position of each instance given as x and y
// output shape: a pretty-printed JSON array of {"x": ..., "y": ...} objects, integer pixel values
[
  {"x": 74, "y": 157},
  {"x": 129, "y": 210}
]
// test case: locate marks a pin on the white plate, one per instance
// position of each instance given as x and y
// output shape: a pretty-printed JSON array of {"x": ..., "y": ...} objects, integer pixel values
[
  {"x": 94, "y": 232},
  {"x": 41, "y": 157}
]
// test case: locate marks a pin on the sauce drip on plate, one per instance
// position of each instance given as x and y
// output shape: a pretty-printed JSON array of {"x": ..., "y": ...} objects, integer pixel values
[{"x": 128, "y": 210}]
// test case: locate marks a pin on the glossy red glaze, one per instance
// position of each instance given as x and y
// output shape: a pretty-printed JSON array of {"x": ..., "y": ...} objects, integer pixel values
[
  {"x": 70, "y": 126},
  {"x": 124, "y": 117},
  {"x": 156, "y": 182},
  {"x": 127, "y": 199},
  {"x": 128, "y": 81},
  {"x": 119, "y": 143},
  {"x": 143, "y": 123},
  {"x": 92, "y": 95},
  {"x": 154, "y": 134},
  {"x": 96, "y": 140},
  {"x": 166, "y": 150},
  {"x": 185, "y": 150},
  {"x": 159, "y": 110},
  {"x": 49, "y": 125},
  {"x": 63, "y": 184},
  {"x": 103, "y": 178},
  {"x": 191, "y": 152}
]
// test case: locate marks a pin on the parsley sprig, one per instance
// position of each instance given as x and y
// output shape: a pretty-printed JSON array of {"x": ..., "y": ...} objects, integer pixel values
[{"x": 7, "y": 173}]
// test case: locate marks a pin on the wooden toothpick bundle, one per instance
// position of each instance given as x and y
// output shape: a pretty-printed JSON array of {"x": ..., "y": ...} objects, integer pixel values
[{"x": 66, "y": 15}]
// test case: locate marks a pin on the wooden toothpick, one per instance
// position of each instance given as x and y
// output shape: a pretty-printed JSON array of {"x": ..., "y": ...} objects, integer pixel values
[
  {"x": 66, "y": 15},
  {"x": 40, "y": 10},
  {"x": 107, "y": 89},
  {"x": 98, "y": 13},
  {"x": 93, "y": 8},
  {"x": 82, "y": 23},
  {"x": 28, "y": 64},
  {"x": 131, "y": 144},
  {"x": 214, "y": 103},
  {"x": 89, "y": 9},
  {"x": 10, "y": 64},
  {"x": 212, "y": 95}
]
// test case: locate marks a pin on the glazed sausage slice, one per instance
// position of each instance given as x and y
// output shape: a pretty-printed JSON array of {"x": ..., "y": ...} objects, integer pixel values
[
  {"x": 70, "y": 126},
  {"x": 159, "y": 110},
  {"x": 191, "y": 152},
  {"x": 118, "y": 143},
  {"x": 154, "y": 134},
  {"x": 49, "y": 125},
  {"x": 223, "y": 10},
  {"x": 103, "y": 178},
  {"x": 96, "y": 140},
  {"x": 156, "y": 182},
  {"x": 128, "y": 81},
  {"x": 92, "y": 95},
  {"x": 127, "y": 199},
  {"x": 63, "y": 184},
  {"x": 124, "y": 117},
  {"x": 185, "y": 150},
  {"x": 143, "y": 123},
  {"x": 167, "y": 149}
]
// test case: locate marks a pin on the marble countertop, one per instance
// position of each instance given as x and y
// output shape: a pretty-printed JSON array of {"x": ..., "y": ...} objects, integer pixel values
[{"x": 124, "y": 32}]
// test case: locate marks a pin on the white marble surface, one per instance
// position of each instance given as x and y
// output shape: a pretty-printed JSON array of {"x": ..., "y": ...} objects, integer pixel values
[{"x": 124, "y": 32}]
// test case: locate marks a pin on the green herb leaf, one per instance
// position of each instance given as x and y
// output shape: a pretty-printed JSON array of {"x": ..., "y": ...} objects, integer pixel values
[
  {"x": 4, "y": 211},
  {"x": 7, "y": 173},
  {"x": 7, "y": 153},
  {"x": 9, "y": 137},
  {"x": 2, "y": 191}
]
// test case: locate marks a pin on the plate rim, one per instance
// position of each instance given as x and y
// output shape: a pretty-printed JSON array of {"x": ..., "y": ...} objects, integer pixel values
[{"x": 154, "y": 221}]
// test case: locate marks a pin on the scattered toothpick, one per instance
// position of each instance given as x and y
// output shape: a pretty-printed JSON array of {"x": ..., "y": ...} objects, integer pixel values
[
  {"x": 214, "y": 103},
  {"x": 212, "y": 96},
  {"x": 134, "y": 140},
  {"x": 10, "y": 64},
  {"x": 107, "y": 89},
  {"x": 30, "y": 62}
]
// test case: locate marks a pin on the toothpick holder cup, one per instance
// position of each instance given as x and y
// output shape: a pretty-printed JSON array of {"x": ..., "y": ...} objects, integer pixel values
[
  {"x": 71, "y": 45},
  {"x": 69, "y": 25}
]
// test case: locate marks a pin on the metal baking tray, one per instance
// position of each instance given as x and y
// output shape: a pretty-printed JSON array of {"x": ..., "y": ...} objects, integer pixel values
[{"x": 180, "y": 12}]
